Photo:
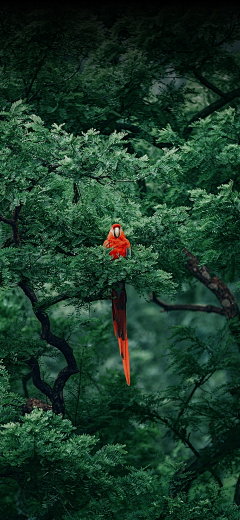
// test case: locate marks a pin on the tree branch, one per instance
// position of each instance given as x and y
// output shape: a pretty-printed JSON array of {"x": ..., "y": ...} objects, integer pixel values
[
  {"x": 16, "y": 236},
  {"x": 54, "y": 83},
  {"x": 47, "y": 302},
  {"x": 211, "y": 108},
  {"x": 37, "y": 381},
  {"x": 215, "y": 284},
  {"x": 13, "y": 223},
  {"x": 184, "y": 485},
  {"x": 207, "y": 84},
  {"x": 195, "y": 388},
  {"x": 77, "y": 193},
  {"x": 208, "y": 458},
  {"x": 56, "y": 394},
  {"x": 28, "y": 406},
  {"x": 186, "y": 307},
  {"x": 6, "y": 220},
  {"x": 236, "y": 498}
]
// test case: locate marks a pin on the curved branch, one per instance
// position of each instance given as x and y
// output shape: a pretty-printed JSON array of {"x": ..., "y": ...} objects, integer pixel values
[
  {"x": 207, "y": 458},
  {"x": 53, "y": 340},
  {"x": 56, "y": 394},
  {"x": 186, "y": 307},
  {"x": 37, "y": 381},
  {"x": 215, "y": 284}
]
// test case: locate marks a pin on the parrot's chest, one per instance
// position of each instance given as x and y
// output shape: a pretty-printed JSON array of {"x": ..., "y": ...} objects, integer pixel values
[{"x": 119, "y": 250}]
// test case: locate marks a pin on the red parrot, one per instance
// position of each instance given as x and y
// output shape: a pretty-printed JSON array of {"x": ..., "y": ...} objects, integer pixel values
[{"x": 121, "y": 247}]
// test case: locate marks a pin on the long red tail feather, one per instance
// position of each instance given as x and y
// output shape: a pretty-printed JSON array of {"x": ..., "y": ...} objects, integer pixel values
[{"x": 119, "y": 300}]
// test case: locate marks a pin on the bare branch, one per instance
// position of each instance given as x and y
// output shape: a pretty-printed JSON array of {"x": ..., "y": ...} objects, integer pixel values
[
  {"x": 180, "y": 434},
  {"x": 186, "y": 307}
]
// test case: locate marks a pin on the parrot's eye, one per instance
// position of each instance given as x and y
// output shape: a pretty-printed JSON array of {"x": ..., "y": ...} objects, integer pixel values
[{"x": 116, "y": 232}]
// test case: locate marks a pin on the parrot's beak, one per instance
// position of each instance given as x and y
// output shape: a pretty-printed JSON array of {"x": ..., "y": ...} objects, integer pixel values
[{"x": 116, "y": 232}]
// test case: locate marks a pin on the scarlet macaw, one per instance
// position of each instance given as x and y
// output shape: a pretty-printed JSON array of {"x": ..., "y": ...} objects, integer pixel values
[{"x": 121, "y": 247}]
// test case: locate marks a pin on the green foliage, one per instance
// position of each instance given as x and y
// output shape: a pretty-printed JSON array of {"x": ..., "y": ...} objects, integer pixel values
[
  {"x": 46, "y": 190},
  {"x": 10, "y": 403},
  {"x": 62, "y": 475},
  {"x": 112, "y": 115}
]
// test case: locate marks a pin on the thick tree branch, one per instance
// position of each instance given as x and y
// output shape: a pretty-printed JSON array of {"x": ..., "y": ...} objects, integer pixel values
[
  {"x": 211, "y": 108},
  {"x": 37, "y": 381},
  {"x": 56, "y": 394},
  {"x": 186, "y": 307},
  {"x": 59, "y": 343},
  {"x": 77, "y": 193},
  {"x": 215, "y": 284}
]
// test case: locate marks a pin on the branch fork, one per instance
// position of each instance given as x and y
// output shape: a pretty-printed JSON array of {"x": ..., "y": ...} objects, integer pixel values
[{"x": 55, "y": 394}]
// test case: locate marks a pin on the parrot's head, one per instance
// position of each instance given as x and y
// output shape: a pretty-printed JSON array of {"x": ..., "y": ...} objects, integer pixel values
[{"x": 116, "y": 230}]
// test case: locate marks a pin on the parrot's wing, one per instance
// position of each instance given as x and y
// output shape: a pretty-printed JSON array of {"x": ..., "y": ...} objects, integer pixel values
[{"x": 128, "y": 255}]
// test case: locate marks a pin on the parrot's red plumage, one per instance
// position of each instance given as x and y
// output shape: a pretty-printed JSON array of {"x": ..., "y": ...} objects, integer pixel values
[{"x": 121, "y": 247}]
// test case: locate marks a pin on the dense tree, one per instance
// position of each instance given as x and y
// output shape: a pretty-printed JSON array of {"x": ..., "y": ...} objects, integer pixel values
[{"x": 92, "y": 132}]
